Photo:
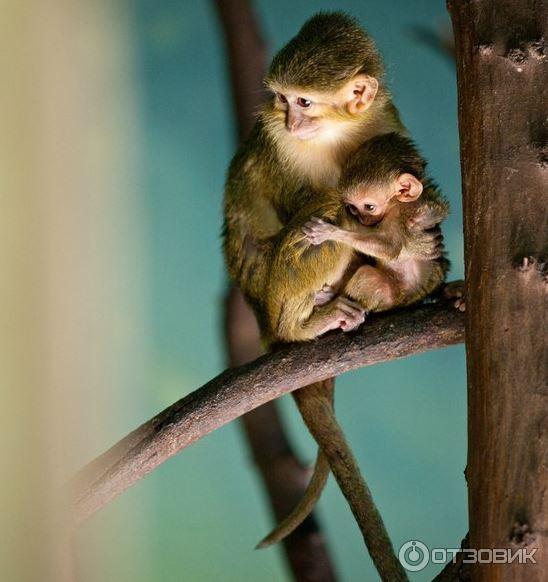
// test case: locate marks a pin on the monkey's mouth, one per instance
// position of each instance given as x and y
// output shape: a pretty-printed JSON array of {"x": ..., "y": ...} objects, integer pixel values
[{"x": 305, "y": 132}]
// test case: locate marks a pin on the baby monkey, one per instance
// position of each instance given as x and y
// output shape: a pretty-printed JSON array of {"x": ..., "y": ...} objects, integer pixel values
[
  {"x": 388, "y": 208},
  {"x": 386, "y": 212}
]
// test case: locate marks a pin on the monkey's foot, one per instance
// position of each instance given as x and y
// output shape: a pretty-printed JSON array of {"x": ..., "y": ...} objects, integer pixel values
[
  {"x": 455, "y": 290},
  {"x": 318, "y": 231},
  {"x": 350, "y": 314},
  {"x": 324, "y": 295}
]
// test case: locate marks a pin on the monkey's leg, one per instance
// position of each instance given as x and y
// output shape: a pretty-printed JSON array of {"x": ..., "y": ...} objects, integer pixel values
[
  {"x": 315, "y": 405},
  {"x": 372, "y": 288}
]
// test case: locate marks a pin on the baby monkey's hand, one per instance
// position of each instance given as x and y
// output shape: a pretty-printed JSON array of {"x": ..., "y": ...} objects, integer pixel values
[{"x": 318, "y": 231}]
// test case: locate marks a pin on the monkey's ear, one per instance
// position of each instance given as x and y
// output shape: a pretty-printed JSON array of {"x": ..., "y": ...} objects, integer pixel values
[
  {"x": 408, "y": 188},
  {"x": 360, "y": 92}
]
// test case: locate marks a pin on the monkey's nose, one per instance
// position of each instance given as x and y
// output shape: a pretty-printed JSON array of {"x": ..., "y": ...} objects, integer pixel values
[{"x": 292, "y": 124}]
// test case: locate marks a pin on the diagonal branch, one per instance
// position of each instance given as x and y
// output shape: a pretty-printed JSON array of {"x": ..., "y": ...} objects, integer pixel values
[{"x": 236, "y": 391}]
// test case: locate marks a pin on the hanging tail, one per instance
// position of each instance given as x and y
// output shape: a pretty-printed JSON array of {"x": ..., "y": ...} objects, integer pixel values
[{"x": 323, "y": 390}]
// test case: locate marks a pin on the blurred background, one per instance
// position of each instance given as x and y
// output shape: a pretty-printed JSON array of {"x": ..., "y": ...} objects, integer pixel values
[{"x": 117, "y": 129}]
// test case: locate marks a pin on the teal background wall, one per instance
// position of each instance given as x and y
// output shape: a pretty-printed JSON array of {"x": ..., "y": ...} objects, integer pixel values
[{"x": 198, "y": 517}]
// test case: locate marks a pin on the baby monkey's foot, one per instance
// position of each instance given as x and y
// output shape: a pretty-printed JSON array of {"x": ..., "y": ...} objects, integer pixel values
[
  {"x": 455, "y": 291},
  {"x": 318, "y": 231},
  {"x": 340, "y": 313},
  {"x": 324, "y": 295},
  {"x": 350, "y": 314}
]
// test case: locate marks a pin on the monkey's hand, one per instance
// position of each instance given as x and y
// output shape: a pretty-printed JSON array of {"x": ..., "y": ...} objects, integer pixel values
[
  {"x": 427, "y": 217},
  {"x": 427, "y": 244},
  {"x": 318, "y": 231}
]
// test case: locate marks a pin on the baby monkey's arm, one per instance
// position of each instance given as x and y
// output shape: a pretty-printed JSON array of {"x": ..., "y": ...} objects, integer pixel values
[{"x": 384, "y": 245}]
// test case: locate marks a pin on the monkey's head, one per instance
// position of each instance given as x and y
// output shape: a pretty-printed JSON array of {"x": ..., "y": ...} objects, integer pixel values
[
  {"x": 384, "y": 171},
  {"x": 327, "y": 74}
]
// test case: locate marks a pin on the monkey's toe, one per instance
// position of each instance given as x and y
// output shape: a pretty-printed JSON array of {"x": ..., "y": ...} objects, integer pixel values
[
  {"x": 352, "y": 314},
  {"x": 454, "y": 290}
]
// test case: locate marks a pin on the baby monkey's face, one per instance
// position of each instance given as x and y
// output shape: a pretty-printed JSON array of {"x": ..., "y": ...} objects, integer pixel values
[{"x": 369, "y": 202}]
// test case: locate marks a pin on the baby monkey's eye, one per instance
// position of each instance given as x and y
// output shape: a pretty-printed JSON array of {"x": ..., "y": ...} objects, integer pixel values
[
  {"x": 302, "y": 102},
  {"x": 370, "y": 207},
  {"x": 282, "y": 98}
]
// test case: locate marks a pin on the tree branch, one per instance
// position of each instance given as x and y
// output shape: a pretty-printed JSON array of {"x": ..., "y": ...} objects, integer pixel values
[{"x": 236, "y": 391}]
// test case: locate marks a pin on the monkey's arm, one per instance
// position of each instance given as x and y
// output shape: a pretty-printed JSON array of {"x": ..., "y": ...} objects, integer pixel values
[
  {"x": 385, "y": 245},
  {"x": 251, "y": 221},
  {"x": 297, "y": 272}
]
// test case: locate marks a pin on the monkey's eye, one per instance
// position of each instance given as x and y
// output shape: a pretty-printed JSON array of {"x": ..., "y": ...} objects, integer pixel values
[
  {"x": 302, "y": 102},
  {"x": 282, "y": 98},
  {"x": 370, "y": 207},
  {"x": 352, "y": 209}
]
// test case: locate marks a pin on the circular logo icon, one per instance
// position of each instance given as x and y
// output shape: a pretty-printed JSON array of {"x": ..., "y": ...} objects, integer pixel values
[{"x": 414, "y": 556}]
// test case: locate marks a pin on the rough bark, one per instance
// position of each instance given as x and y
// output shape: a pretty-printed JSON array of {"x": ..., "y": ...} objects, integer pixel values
[
  {"x": 283, "y": 476},
  {"x": 502, "y": 85},
  {"x": 237, "y": 391}
]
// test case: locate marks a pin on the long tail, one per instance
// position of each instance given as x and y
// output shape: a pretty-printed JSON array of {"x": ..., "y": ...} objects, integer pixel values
[
  {"x": 316, "y": 407},
  {"x": 314, "y": 488},
  {"x": 305, "y": 506}
]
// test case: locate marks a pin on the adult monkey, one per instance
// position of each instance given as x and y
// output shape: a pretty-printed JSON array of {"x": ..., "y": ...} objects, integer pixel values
[{"x": 329, "y": 99}]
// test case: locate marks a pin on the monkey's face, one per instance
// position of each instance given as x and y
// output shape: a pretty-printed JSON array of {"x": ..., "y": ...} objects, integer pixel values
[
  {"x": 323, "y": 115},
  {"x": 301, "y": 115},
  {"x": 369, "y": 203}
]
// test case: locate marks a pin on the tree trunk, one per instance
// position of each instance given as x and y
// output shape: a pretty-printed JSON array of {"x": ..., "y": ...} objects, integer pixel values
[{"x": 502, "y": 81}]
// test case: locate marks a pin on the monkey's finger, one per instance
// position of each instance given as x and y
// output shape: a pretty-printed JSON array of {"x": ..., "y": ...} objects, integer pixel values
[
  {"x": 351, "y": 303},
  {"x": 351, "y": 309},
  {"x": 431, "y": 237},
  {"x": 317, "y": 220},
  {"x": 351, "y": 323},
  {"x": 312, "y": 228},
  {"x": 454, "y": 290},
  {"x": 434, "y": 255},
  {"x": 351, "y": 315},
  {"x": 315, "y": 240}
]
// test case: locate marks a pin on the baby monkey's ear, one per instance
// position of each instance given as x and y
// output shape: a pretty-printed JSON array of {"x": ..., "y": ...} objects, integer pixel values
[
  {"x": 408, "y": 188},
  {"x": 360, "y": 92}
]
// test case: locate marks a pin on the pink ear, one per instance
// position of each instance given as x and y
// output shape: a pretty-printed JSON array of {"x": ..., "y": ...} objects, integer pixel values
[
  {"x": 409, "y": 188},
  {"x": 363, "y": 90}
]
